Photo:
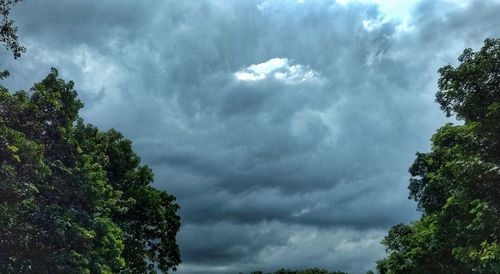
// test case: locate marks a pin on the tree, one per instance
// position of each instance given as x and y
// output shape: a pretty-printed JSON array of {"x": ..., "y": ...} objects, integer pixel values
[
  {"x": 74, "y": 199},
  {"x": 457, "y": 183},
  {"x": 8, "y": 32},
  {"x": 150, "y": 222}
]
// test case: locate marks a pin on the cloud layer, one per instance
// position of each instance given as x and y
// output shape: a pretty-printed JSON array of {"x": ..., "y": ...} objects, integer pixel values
[{"x": 285, "y": 128}]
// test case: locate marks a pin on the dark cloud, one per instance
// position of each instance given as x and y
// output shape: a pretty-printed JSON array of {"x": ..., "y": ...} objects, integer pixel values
[{"x": 298, "y": 161}]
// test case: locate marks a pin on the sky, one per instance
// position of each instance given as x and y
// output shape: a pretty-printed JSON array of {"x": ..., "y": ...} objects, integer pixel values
[{"x": 284, "y": 128}]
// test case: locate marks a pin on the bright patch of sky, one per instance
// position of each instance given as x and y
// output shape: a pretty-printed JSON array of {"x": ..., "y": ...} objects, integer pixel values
[
  {"x": 279, "y": 69},
  {"x": 397, "y": 10},
  {"x": 394, "y": 10},
  {"x": 390, "y": 10}
]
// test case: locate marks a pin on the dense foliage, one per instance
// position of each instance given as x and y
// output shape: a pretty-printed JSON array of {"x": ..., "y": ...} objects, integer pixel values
[
  {"x": 457, "y": 183},
  {"x": 74, "y": 199}
]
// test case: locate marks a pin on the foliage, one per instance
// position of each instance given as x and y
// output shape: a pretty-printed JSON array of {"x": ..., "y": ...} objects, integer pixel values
[
  {"x": 74, "y": 199},
  {"x": 457, "y": 183},
  {"x": 8, "y": 32}
]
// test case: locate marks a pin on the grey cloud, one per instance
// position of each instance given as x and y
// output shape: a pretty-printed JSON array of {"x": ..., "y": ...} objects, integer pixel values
[
  {"x": 271, "y": 241},
  {"x": 243, "y": 242}
]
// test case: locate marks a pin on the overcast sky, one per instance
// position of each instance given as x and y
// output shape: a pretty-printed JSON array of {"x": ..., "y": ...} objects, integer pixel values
[{"x": 284, "y": 128}]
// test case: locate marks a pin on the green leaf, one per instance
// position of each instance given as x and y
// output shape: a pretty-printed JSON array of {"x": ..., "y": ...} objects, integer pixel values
[
  {"x": 16, "y": 157},
  {"x": 13, "y": 148}
]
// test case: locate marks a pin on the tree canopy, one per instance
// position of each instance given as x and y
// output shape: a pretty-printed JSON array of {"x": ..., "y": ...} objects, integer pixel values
[
  {"x": 74, "y": 199},
  {"x": 8, "y": 32},
  {"x": 457, "y": 183}
]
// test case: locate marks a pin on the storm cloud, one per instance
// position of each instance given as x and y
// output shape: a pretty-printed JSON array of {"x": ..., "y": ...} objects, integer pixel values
[{"x": 284, "y": 128}]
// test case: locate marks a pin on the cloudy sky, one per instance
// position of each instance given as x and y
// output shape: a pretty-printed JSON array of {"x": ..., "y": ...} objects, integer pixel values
[{"x": 285, "y": 128}]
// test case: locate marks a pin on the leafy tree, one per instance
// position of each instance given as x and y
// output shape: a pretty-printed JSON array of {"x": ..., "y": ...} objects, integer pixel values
[
  {"x": 457, "y": 184},
  {"x": 8, "y": 32},
  {"x": 150, "y": 222},
  {"x": 74, "y": 199}
]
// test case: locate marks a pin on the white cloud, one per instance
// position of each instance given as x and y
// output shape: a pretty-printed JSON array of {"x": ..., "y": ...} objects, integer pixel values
[
  {"x": 390, "y": 8},
  {"x": 370, "y": 25},
  {"x": 279, "y": 69}
]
